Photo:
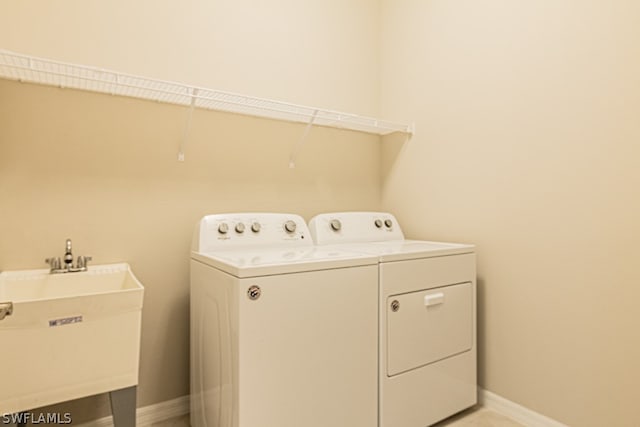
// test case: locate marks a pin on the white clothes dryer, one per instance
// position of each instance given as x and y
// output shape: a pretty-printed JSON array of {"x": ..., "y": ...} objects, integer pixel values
[
  {"x": 283, "y": 334},
  {"x": 427, "y": 316}
]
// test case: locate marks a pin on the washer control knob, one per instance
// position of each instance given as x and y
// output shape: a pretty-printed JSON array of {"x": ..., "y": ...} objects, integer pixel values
[
  {"x": 336, "y": 225},
  {"x": 223, "y": 228},
  {"x": 378, "y": 223},
  {"x": 240, "y": 228},
  {"x": 388, "y": 223},
  {"x": 290, "y": 226},
  {"x": 255, "y": 227}
]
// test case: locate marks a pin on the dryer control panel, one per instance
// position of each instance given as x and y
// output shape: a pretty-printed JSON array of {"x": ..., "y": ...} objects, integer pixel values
[
  {"x": 226, "y": 231},
  {"x": 354, "y": 227}
]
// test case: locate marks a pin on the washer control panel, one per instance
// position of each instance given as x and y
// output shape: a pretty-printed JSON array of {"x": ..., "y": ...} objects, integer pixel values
[
  {"x": 224, "y": 231},
  {"x": 354, "y": 227}
]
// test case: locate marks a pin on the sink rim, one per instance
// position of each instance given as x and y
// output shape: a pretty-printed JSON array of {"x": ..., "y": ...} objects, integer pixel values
[{"x": 93, "y": 270}]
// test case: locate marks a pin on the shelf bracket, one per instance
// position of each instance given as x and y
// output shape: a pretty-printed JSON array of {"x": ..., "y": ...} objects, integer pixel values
[
  {"x": 187, "y": 127},
  {"x": 296, "y": 149}
]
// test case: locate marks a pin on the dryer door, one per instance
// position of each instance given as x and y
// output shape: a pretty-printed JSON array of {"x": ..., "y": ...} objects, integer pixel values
[{"x": 429, "y": 325}]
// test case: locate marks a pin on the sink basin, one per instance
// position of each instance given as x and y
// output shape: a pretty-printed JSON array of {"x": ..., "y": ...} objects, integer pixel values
[{"x": 66, "y": 336}]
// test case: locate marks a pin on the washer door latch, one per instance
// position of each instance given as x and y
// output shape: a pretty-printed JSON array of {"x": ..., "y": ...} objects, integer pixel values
[{"x": 254, "y": 292}]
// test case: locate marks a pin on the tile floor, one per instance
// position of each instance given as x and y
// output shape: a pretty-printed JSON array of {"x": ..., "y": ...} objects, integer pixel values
[
  {"x": 474, "y": 417},
  {"x": 181, "y": 421},
  {"x": 479, "y": 417}
]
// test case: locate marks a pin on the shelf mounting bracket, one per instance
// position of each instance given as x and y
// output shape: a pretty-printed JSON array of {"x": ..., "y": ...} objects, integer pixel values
[
  {"x": 296, "y": 148},
  {"x": 187, "y": 127}
]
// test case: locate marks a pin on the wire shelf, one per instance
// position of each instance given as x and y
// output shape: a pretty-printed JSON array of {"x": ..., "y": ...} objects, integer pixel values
[{"x": 43, "y": 71}]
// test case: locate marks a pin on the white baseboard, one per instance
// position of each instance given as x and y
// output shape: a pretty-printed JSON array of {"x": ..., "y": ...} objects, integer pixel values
[
  {"x": 150, "y": 414},
  {"x": 515, "y": 411}
]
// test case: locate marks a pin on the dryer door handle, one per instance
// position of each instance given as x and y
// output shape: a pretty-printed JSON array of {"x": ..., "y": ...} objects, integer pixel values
[{"x": 433, "y": 299}]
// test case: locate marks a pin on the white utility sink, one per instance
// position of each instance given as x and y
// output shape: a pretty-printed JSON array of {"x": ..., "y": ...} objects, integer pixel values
[{"x": 65, "y": 336}]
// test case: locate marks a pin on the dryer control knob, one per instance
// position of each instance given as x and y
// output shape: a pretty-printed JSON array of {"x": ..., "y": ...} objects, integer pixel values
[
  {"x": 336, "y": 225},
  {"x": 240, "y": 228},
  {"x": 255, "y": 227},
  {"x": 223, "y": 228},
  {"x": 290, "y": 226},
  {"x": 388, "y": 223},
  {"x": 378, "y": 223}
]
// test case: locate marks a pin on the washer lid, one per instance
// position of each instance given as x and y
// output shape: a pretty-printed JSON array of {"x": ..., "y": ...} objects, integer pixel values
[
  {"x": 269, "y": 261},
  {"x": 400, "y": 250}
]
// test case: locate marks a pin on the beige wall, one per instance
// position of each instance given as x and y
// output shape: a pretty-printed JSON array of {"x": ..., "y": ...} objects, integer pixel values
[
  {"x": 527, "y": 144},
  {"x": 103, "y": 171},
  {"x": 313, "y": 53}
]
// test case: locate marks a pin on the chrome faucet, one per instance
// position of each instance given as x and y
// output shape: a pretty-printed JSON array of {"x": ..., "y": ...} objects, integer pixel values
[
  {"x": 56, "y": 267},
  {"x": 68, "y": 255}
]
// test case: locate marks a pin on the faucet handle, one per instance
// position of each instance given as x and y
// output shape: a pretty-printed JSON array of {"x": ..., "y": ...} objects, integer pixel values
[
  {"x": 54, "y": 263},
  {"x": 82, "y": 261}
]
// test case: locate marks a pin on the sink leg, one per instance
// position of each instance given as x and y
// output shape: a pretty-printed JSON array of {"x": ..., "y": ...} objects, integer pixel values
[{"x": 123, "y": 407}]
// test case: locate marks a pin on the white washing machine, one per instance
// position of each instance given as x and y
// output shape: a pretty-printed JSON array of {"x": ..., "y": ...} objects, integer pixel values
[
  {"x": 283, "y": 334},
  {"x": 427, "y": 316}
]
